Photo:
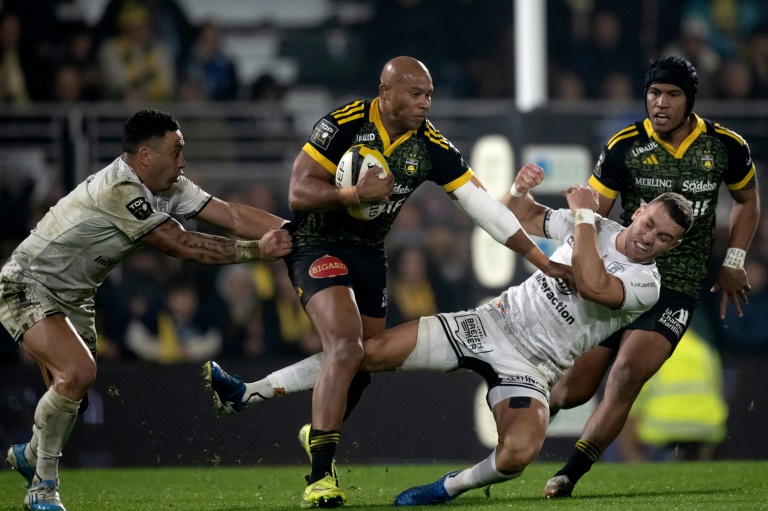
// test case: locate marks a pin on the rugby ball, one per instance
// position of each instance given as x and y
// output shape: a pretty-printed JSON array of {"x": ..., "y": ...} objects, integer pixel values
[{"x": 353, "y": 165}]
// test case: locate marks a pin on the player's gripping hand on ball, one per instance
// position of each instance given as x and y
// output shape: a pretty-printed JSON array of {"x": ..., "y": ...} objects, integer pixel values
[{"x": 373, "y": 189}]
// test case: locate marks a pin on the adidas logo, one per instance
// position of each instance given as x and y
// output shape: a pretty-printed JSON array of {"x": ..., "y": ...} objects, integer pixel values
[{"x": 651, "y": 160}]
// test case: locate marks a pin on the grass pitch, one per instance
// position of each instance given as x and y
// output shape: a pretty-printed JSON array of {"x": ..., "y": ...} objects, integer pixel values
[{"x": 712, "y": 486}]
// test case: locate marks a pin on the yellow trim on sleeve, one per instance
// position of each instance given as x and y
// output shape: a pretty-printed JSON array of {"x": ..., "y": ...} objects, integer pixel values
[
  {"x": 319, "y": 158},
  {"x": 602, "y": 189},
  {"x": 740, "y": 184},
  {"x": 459, "y": 181},
  {"x": 625, "y": 133}
]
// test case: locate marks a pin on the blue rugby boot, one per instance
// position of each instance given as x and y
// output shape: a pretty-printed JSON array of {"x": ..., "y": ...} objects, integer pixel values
[
  {"x": 433, "y": 493},
  {"x": 228, "y": 391}
]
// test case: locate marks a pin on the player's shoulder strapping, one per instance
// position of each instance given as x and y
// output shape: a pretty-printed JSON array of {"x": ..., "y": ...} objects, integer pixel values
[
  {"x": 357, "y": 109},
  {"x": 433, "y": 135},
  {"x": 631, "y": 131}
]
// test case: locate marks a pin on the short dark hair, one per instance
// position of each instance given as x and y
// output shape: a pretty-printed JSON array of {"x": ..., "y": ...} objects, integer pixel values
[
  {"x": 145, "y": 125},
  {"x": 678, "y": 208}
]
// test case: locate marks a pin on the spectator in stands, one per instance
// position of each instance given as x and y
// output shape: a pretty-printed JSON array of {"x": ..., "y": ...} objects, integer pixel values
[
  {"x": 187, "y": 328},
  {"x": 617, "y": 86},
  {"x": 287, "y": 328},
  {"x": 609, "y": 49},
  {"x": 79, "y": 52},
  {"x": 136, "y": 65},
  {"x": 734, "y": 81},
  {"x": 167, "y": 21},
  {"x": 266, "y": 88},
  {"x": 729, "y": 22},
  {"x": 67, "y": 85},
  {"x": 693, "y": 45},
  {"x": 757, "y": 60},
  {"x": 568, "y": 86},
  {"x": 210, "y": 67},
  {"x": 244, "y": 335},
  {"x": 11, "y": 59},
  {"x": 411, "y": 294}
]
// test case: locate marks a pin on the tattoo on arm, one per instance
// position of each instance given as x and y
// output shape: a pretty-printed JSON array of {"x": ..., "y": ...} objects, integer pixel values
[{"x": 207, "y": 248}]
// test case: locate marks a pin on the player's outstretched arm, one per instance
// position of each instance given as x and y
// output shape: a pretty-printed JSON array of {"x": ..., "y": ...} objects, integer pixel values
[
  {"x": 171, "y": 238},
  {"x": 238, "y": 219},
  {"x": 501, "y": 223}
]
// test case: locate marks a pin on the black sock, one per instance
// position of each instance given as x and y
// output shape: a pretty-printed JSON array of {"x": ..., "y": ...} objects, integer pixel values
[
  {"x": 323, "y": 445},
  {"x": 355, "y": 392},
  {"x": 584, "y": 456}
]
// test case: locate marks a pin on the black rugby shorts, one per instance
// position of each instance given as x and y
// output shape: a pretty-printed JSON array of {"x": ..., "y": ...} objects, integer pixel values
[{"x": 319, "y": 265}]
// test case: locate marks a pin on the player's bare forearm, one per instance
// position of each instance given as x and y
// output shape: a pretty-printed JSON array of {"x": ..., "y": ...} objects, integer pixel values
[
  {"x": 529, "y": 213},
  {"x": 591, "y": 279},
  {"x": 745, "y": 214},
  {"x": 240, "y": 220},
  {"x": 172, "y": 239}
]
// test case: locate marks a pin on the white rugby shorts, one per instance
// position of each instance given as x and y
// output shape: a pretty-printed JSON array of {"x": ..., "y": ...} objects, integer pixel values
[
  {"x": 476, "y": 340},
  {"x": 22, "y": 304}
]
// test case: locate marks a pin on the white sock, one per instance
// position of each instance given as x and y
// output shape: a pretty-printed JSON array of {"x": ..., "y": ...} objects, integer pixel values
[
  {"x": 482, "y": 474},
  {"x": 55, "y": 417},
  {"x": 298, "y": 377}
]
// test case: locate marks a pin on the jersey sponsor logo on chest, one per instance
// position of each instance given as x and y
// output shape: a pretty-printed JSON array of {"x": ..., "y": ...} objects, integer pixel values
[
  {"x": 365, "y": 137},
  {"x": 327, "y": 266},
  {"x": 654, "y": 182},
  {"x": 637, "y": 151},
  {"x": 697, "y": 185}
]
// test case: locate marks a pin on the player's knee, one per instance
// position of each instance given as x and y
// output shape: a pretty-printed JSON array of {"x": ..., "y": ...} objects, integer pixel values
[
  {"x": 79, "y": 377},
  {"x": 628, "y": 376},
  {"x": 348, "y": 352},
  {"x": 514, "y": 454}
]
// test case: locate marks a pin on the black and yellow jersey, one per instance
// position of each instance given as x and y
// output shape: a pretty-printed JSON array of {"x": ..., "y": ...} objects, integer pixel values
[
  {"x": 419, "y": 155},
  {"x": 639, "y": 166}
]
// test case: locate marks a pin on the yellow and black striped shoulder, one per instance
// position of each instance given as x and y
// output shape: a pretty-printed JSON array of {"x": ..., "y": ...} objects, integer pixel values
[
  {"x": 433, "y": 135},
  {"x": 722, "y": 130},
  {"x": 631, "y": 131},
  {"x": 351, "y": 111}
]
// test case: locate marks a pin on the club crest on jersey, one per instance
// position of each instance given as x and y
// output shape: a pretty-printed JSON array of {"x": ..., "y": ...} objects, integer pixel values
[
  {"x": 327, "y": 266},
  {"x": 323, "y": 134},
  {"x": 140, "y": 208},
  {"x": 614, "y": 268},
  {"x": 411, "y": 166},
  {"x": 708, "y": 161}
]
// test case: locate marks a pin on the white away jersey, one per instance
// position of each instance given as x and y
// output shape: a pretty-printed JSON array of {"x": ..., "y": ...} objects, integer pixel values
[
  {"x": 93, "y": 228},
  {"x": 553, "y": 322}
]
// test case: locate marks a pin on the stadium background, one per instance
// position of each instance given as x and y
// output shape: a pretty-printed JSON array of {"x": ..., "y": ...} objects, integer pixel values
[{"x": 295, "y": 60}]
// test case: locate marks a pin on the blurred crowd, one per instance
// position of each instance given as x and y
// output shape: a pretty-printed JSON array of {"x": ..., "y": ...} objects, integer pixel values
[
  {"x": 160, "y": 310},
  {"x": 149, "y": 50}
]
